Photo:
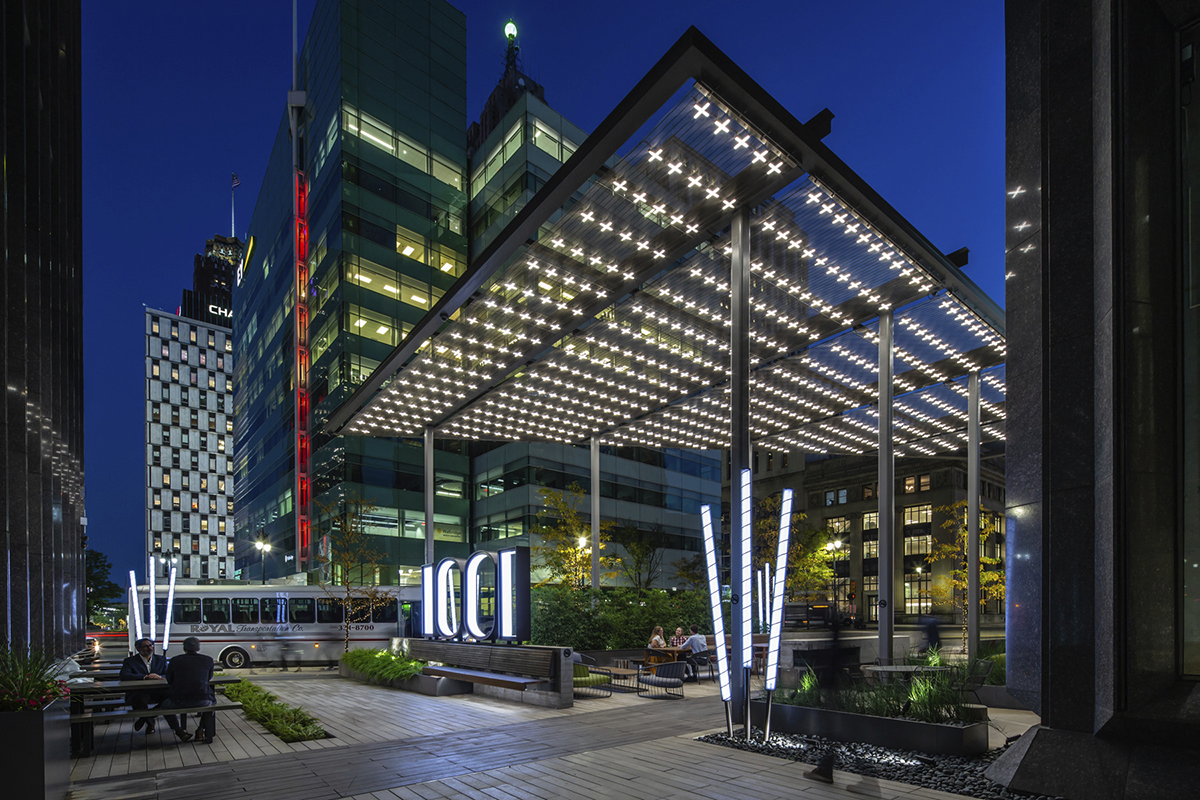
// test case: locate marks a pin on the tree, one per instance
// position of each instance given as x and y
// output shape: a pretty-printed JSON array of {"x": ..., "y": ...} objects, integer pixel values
[
  {"x": 809, "y": 562},
  {"x": 692, "y": 571},
  {"x": 953, "y": 590},
  {"x": 563, "y": 547},
  {"x": 644, "y": 552},
  {"x": 348, "y": 560},
  {"x": 100, "y": 588}
]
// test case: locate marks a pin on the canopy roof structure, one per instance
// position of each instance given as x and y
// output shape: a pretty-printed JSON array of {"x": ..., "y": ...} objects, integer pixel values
[{"x": 615, "y": 323}]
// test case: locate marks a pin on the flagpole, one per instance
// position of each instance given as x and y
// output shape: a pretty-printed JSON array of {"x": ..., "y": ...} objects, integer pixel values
[{"x": 232, "y": 217}]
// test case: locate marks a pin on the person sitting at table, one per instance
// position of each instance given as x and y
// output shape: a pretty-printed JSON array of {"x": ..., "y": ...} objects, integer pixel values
[
  {"x": 145, "y": 665},
  {"x": 656, "y": 638},
  {"x": 696, "y": 648},
  {"x": 188, "y": 684},
  {"x": 678, "y": 639}
]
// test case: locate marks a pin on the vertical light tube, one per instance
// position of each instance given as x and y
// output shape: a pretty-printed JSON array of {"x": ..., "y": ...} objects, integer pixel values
[
  {"x": 747, "y": 588},
  {"x": 153, "y": 610},
  {"x": 781, "y": 560},
  {"x": 714, "y": 599},
  {"x": 428, "y": 601},
  {"x": 505, "y": 600},
  {"x": 170, "y": 612},
  {"x": 973, "y": 480},
  {"x": 136, "y": 603}
]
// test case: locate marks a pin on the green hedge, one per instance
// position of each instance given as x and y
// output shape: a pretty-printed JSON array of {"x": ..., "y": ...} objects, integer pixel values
[
  {"x": 382, "y": 665},
  {"x": 291, "y": 724},
  {"x": 621, "y": 618}
]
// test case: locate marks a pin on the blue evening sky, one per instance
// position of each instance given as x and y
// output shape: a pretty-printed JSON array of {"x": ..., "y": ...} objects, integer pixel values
[{"x": 177, "y": 96}]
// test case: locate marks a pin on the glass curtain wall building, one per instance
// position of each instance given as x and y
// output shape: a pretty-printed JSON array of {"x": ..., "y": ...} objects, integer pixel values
[{"x": 382, "y": 199}]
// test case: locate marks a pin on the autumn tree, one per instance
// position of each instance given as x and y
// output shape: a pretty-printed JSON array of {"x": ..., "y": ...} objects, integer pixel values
[
  {"x": 562, "y": 544},
  {"x": 644, "y": 551},
  {"x": 810, "y": 570},
  {"x": 99, "y": 586},
  {"x": 953, "y": 589},
  {"x": 348, "y": 559}
]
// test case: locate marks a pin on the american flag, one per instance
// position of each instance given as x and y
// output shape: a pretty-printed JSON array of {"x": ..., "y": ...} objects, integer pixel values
[{"x": 236, "y": 182}]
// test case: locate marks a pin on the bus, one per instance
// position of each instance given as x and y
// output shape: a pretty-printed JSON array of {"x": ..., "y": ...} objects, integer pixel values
[{"x": 240, "y": 626}]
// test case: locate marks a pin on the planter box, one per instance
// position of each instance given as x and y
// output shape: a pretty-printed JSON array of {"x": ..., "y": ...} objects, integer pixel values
[
  {"x": 901, "y": 734},
  {"x": 40, "y": 743},
  {"x": 998, "y": 697},
  {"x": 422, "y": 684}
]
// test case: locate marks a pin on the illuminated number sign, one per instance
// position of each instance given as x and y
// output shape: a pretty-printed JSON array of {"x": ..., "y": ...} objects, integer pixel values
[{"x": 443, "y": 617}]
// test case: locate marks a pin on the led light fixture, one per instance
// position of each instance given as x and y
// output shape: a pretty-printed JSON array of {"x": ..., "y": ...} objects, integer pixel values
[
  {"x": 137, "y": 605},
  {"x": 428, "y": 603},
  {"x": 153, "y": 610},
  {"x": 781, "y": 559},
  {"x": 714, "y": 599},
  {"x": 747, "y": 586},
  {"x": 166, "y": 642},
  {"x": 471, "y": 578}
]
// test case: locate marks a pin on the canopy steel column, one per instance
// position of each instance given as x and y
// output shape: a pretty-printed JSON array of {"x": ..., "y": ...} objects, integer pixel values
[
  {"x": 887, "y": 490},
  {"x": 973, "y": 478},
  {"x": 739, "y": 447},
  {"x": 595, "y": 512},
  {"x": 430, "y": 487}
]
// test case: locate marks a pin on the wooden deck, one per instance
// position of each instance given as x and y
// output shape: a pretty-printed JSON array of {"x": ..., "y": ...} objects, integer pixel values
[{"x": 393, "y": 744}]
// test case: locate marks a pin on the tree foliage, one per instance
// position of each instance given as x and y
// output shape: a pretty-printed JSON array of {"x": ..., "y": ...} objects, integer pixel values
[
  {"x": 100, "y": 588},
  {"x": 562, "y": 540},
  {"x": 810, "y": 568},
  {"x": 691, "y": 572},
  {"x": 618, "y": 618},
  {"x": 953, "y": 590},
  {"x": 348, "y": 559},
  {"x": 644, "y": 550}
]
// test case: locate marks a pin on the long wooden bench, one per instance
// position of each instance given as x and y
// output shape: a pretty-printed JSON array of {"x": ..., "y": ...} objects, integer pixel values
[
  {"x": 521, "y": 669},
  {"x": 86, "y": 720}
]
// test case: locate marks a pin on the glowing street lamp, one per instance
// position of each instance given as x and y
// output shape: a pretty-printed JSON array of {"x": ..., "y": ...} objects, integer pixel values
[{"x": 263, "y": 548}]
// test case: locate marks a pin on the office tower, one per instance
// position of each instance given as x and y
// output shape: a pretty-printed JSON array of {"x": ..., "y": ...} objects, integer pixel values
[
  {"x": 189, "y": 436},
  {"x": 41, "y": 434},
  {"x": 351, "y": 248},
  {"x": 211, "y": 297}
]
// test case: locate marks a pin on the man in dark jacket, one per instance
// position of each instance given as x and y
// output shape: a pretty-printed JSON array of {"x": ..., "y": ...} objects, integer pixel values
[
  {"x": 145, "y": 666},
  {"x": 188, "y": 685}
]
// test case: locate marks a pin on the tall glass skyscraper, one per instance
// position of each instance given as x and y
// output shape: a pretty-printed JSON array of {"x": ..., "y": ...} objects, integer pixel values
[{"x": 378, "y": 234}]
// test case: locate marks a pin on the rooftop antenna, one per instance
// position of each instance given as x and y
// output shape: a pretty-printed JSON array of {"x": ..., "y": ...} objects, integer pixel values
[{"x": 511, "y": 56}]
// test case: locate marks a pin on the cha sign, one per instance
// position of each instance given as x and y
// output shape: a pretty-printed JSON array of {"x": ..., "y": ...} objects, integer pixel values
[
  {"x": 440, "y": 609},
  {"x": 217, "y": 311}
]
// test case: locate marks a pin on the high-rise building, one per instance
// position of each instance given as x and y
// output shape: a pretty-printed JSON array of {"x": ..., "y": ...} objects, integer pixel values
[
  {"x": 359, "y": 229},
  {"x": 211, "y": 297},
  {"x": 189, "y": 438},
  {"x": 41, "y": 434}
]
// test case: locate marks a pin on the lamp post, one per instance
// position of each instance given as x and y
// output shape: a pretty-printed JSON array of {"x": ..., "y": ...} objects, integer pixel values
[
  {"x": 834, "y": 549},
  {"x": 263, "y": 548}
]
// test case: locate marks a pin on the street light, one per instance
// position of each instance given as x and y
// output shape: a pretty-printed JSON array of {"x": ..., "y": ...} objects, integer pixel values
[{"x": 263, "y": 548}]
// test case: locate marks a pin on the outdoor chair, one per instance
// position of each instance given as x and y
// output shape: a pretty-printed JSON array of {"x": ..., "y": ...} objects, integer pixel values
[
  {"x": 657, "y": 657},
  {"x": 662, "y": 680},
  {"x": 699, "y": 660},
  {"x": 973, "y": 679},
  {"x": 591, "y": 681}
]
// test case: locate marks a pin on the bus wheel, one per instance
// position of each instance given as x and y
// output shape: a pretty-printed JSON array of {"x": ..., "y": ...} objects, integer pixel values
[{"x": 235, "y": 658}]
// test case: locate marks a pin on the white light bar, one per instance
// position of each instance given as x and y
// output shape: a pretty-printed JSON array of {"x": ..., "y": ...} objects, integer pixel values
[
  {"x": 471, "y": 594},
  {"x": 745, "y": 578},
  {"x": 444, "y": 588},
  {"x": 137, "y": 606},
  {"x": 170, "y": 612},
  {"x": 153, "y": 610},
  {"x": 714, "y": 599},
  {"x": 762, "y": 616},
  {"x": 781, "y": 559},
  {"x": 505, "y": 603},
  {"x": 428, "y": 604}
]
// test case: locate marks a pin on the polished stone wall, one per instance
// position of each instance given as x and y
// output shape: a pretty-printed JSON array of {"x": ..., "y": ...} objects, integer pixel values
[{"x": 41, "y": 434}]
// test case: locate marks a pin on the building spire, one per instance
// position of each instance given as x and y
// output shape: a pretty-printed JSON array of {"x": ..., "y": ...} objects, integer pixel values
[{"x": 512, "y": 59}]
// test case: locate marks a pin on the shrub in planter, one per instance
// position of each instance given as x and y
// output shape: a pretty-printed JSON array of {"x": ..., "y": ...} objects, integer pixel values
[
  {"x": 34, "y": 725},
  {"x": 382, "y": 665}
]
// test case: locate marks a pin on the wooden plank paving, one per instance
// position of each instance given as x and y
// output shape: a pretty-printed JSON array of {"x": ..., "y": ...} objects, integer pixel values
[{"x": 395, "y": 744}]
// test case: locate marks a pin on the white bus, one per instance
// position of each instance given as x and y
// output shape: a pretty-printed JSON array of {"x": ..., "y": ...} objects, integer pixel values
[{"x": 244, "y": 625}]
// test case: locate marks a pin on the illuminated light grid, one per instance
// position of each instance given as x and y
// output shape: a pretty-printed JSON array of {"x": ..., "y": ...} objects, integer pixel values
[
  {"x": 780, "y": 578},
  {"x": 714, "y": 601}
]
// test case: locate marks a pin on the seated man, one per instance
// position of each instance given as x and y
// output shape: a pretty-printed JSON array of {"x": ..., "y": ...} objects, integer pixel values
[
  {"x": 678, "y": 639},
  {"x": 188, "y": 685},
  {"x": 145, "y": 666},
  {"x": 697, "y": 653}
]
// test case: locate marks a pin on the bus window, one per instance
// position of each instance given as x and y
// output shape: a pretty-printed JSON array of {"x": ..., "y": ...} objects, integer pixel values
[
  {"x": 216, "y": 610},
  {"x": 386, "y": 611},
  {"x": 274, "y": 610},
  {"x": 160, "y": 608},
  {"x": 187, "y": 610},
  {"x": 329, "y": 610},
  {"x": 301, "y": 610},
  {"x": 245, "y": 610}
]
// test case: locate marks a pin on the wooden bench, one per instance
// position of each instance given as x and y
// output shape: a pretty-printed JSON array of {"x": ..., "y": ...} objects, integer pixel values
[
  {"x": 515, "y": 668},
  {"x": 86, "y": 720}
]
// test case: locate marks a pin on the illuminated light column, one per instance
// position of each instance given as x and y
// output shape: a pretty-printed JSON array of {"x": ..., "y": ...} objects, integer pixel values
[
  {"x": 739, "y": 453},
  {"x": 762, "y": 611},
  {"x": 718, "y": 618},
  {"x": 428, "y": 601},
  {"x": 302, "y": 486},
  {"x": 973, "y": 478},
  {"x": 153, "y": 610},
  {"x": 504, "y": 601},
  {"x": 472, "y": 584},
  {"x": 781, "y": 559},
  {"x": 166, "y": 642},
  {"x": 137, "y": 606},
  {"x": 887, "y": 488}
]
